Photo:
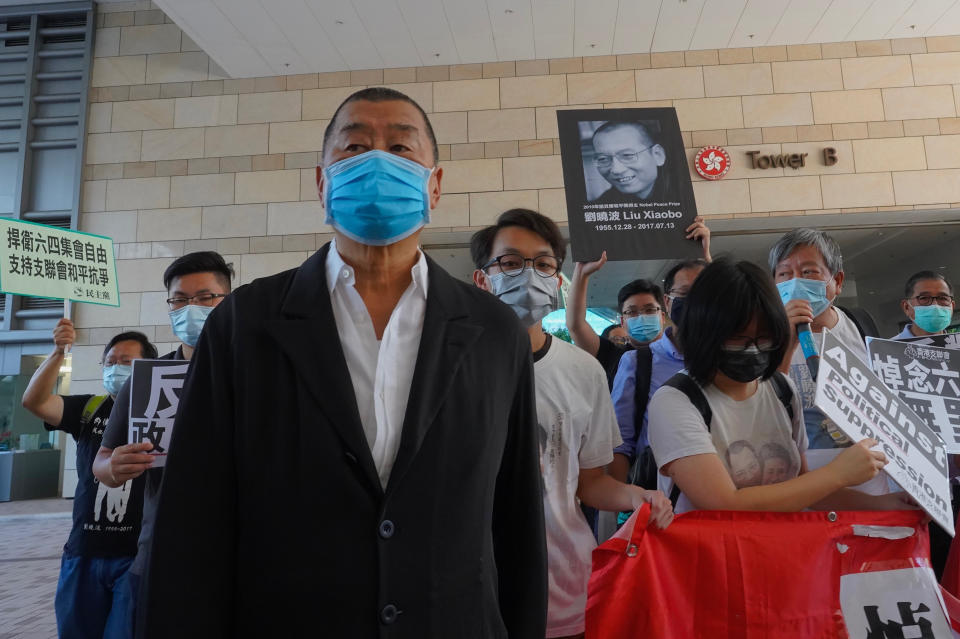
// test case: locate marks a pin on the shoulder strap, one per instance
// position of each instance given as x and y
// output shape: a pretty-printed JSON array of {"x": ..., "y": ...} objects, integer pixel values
[
  {"x": 685, "y": 384},
  {"x": 641, "y": 388},
  {"x": 784, "y": 393},
  {"x": 90, "y": 408}
]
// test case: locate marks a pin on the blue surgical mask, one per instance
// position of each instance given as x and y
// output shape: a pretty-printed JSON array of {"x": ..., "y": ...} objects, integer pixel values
[
  {"x": 644, "y": 328},
  {"x": 814, "y": 291},
  {"x": 188, "y": 322},
  {"x": 531, "y": 296},
  {"x": 933, "y": 318},
  {"x": 377, "y": 198},
  {"x": 114, "y": 377}
]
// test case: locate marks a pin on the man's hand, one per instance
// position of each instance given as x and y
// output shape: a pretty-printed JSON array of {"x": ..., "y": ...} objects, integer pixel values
[
  {"x": 64, "y": 335},
  {"x": 586, "y": 269},
  {"x": 699, "y": 231},
  {"x": 129, "y": 461},
  {"x": 661, "y": 510}
]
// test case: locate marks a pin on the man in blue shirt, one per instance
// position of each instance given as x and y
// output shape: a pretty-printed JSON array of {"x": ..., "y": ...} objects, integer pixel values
[{"x": 928, "y": 303}]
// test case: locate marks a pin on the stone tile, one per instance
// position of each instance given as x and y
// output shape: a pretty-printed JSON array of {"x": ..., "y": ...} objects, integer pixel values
[
  {"x": 927, "y": 187},
  {"x": 610, "y": 86},
  {"x": 139, "y": 169},
  {"x": 889, "y": 154},
  {"x": 877, "y": 72},
  {"x": 176, "y": 89},
  {"x": 506, "y": 149},
  {"x": 668, "y": 84},
  {"x": 566, "y": 65},
  {"x": 300, "y": 160},
  {"x": 439, "y": 73},
  {"x": 770, "y": 54},
  {"x": 707, "y": 138},
  {"x": 701, "y": 58},
  {"x": 744, "y": 136},
  {"x": 815, "y": 158},
  {"x": 112, "y": 94},
  {"x": 453, "y": 209},
  {"x": 333, "y": 79},
  {"x": 545, "y": 90},
  {"x": 949, "y": 125},
  {"x": 814, "y": 133},
  {"x": 475, "y": 71},
  {"x": 914, "y": 103},
  {"x": 177, "y": 67},
  {"x": 888, "y": 129},
  {"x": 93, "y": 196},
  {"x": 722, "y": 196},
  {"x": 268, "y": 186},
  {"x": 808, "y": 75},
  {"x": 803, "y": 52},
  {"x": 784, "y": 194},
  {"x": 850, "y": 131},
  {"x": 709, "y": 113},
  {"x": 270, "y": 84},
  {"x": 838, "y": 50},
  {"x": 306, "y": 242},
  {"x": 108, "y": 148},
  {"x": 466, "y": 151},
  {"x": 123, "y": 19},
  {"x": 599, "y": 63},
  {"x": 107, "y": 43},
  {"x": 202, "y": 190},
  {"x": 297, "y": 137},
  {"x": 936, "y": 68},
  {"x": 243, "y": 139},
  {"x": 921, "y": 127},
  {"x": 308, "y": 184},
  {"x": 186, "y": 44},
  {"x": 234, "y": 221},
  {"x": 145, "y": 92},
  {"x": 736, "y": 56},
  {"x": 466, "y": 176},
  {"x": 540, "y": 172},
  {"x": 154, "y": 16},
  {"x": 171, "y": 167},
  {"x": 777, "y": 134},
  {"x": 943, "y": 44},
  {"x": 873, "y": 47},
  {"x": 535, "y": 147},
  {"x": 206, "y": 88},
  {"x": 138, "y": 193},
  {"x": 157, "y": 38},
  {"x": 295, "y": 218},
  {"x": 121, "y": 226},
  {"x": 553, "y": 204},
  {"x": 847, "y": 106},
  {"x": 368, "y": 77},
  {"x": 267, "y": 244},
  {"x": 203, "y": 166},
  {"x": 777, "y": 110},
  {"x": 506, "y": 124},
  {"x": 172, "y": 144},
  {"x": 256, "y": 265},
  {"x": 466, "y": 95},
  {"x": 98, "y": 117},
  {"x": 118, "y": 71},
  {"x": 167, "y": 224},
  {"x": 390, "y": 76},
  {"x": 107, "y": 171},
  {"x": 303, "y": 81},
  {"x": 737, "y": 79},
  {"x": 486, "y": 207},
  {"x": 630, "y": 61},
  {"x": 547, "y": 119},
  {"x": 449, "y": 128},
  {"x": 254, "y": 108},
  {"x": 238, "y": 85},
  {"x": 499, "y": 69},
  {"x": 213, "y": 110},
  {"x": 942, "y": 151},
  {"x": 661, "y": 60},
  {"x": 322, "y": 103},
  {"x": 235, "y": 164},
  {"x": 903, "y": 46},
  {"x": 141, "y": 115}
]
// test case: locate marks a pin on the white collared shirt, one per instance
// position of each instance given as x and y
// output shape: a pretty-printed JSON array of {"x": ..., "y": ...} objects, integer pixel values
[{"x": 381, "y": 370}]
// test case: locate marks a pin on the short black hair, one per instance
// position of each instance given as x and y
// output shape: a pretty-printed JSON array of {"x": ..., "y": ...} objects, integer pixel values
[
  {"x": 481, "y": 244},
  {"x": 147, "y": 350},
  {"x": 723, "y": 300},
  {"x": 650, "y": 128},
  {"x": 676, "y": 268},
  {"x": 606, "y": 332},
  {"x": 199, "y": 262},
  {"x": 379, "y": 94},
  {"x": 636, "y": 287},
  {"x": 924, "y": 275}
]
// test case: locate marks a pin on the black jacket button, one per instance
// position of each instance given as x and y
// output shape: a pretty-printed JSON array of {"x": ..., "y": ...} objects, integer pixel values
[
  {"x": 389, "y": 614},
  {"x": 387, "y": 529}
]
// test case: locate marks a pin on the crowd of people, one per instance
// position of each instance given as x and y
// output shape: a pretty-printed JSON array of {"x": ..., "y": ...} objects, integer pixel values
[{"x": 365, "y": 446}]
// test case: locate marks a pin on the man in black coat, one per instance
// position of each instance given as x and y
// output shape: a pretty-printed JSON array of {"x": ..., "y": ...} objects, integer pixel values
[{"x": 331, "y": 473}]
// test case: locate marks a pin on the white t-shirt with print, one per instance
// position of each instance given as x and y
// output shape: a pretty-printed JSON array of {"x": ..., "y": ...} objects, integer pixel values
[
  {"x": 754, "y": 438},
  {"x": 577, "y": 430}
]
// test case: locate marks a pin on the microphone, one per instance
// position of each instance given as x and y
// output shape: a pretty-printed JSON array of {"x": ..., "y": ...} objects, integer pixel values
[{"x": 809, "y": 348}]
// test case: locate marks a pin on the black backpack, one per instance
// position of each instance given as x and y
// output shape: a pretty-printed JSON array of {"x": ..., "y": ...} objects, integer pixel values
[{"x": 644, "y": 471}]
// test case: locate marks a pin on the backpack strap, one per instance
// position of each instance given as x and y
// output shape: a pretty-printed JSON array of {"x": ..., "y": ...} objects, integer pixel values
[
  {"x": 91, "y": 407},
  {"x": 784, "y": 392},
  {"x": 641, "y": 387},
  {"x": 685, "y": 384}
]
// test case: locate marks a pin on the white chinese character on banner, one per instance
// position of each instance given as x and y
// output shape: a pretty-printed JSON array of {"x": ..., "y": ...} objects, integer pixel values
[
  {"x": 918, "y": 377},
  {"x": 590, "y": 216},
  {"x": 888, "y": 371},
  {"x": 947, "y": 378}
]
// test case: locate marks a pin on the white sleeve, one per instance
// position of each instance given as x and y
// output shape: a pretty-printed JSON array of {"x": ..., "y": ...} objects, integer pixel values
[
  {"x": 676, "y": 428},
  {"x": 602, "y": 433}
]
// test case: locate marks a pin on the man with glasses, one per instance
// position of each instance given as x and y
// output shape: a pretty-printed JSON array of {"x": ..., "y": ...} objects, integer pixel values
[
  {"x": 518, "y": 259},
  {"x": 628, "y": 156},
  {"x": 195, "y": 284},
  {"x": 92, "y": 592},
  {"x": 928, "y": 303}
]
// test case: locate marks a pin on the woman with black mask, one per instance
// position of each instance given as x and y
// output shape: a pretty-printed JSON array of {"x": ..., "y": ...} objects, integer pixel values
[{"x": 709, "y": 424}]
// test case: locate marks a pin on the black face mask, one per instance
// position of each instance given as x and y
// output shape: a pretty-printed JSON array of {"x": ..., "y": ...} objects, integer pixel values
[
  {"x": 744, "y": 366},
  {"x": 676, "y": 309}
]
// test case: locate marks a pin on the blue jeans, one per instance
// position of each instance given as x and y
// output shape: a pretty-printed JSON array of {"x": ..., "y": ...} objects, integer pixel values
[{"x": 94, "y": 598}]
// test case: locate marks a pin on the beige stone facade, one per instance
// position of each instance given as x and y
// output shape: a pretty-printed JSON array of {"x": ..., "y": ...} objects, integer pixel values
[{"x": 181, "y": 158}]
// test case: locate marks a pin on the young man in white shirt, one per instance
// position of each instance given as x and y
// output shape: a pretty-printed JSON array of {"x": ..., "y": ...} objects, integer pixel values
[{"x": 518, "y": 259}]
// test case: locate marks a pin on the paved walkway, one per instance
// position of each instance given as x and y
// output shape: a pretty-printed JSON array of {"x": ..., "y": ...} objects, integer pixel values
[{"x": 32, "y": 534}]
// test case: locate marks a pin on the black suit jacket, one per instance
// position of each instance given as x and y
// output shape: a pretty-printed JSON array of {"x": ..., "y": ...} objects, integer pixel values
[{"x": 272, "y": 521}]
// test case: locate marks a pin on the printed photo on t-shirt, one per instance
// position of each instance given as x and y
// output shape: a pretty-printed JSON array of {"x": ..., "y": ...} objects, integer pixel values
[{"x": 749, "y": 465}]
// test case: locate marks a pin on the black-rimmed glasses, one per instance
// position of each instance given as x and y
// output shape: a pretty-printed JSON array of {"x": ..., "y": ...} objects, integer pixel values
[{"x": 512, "y": 265}]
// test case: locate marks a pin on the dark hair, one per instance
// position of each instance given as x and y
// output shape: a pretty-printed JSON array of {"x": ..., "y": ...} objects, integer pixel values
[
  {"x": 199, "y": 262},
  {"x": 147, "y": 350},
  {"x": 481, "y": 244},
  {"x": 606, "y": 332},
  {"x": 924, "y": 275},
  {"x": 676, "y": 268},
  {"x": 648, "y": 129},
  {"x": 723, "y": 300},
  {"x": 636, "y": 287},
  {"x": 739, "y": 446},
  {"x": 379, "y": 94},
  {"x": 773, "y": 450}
]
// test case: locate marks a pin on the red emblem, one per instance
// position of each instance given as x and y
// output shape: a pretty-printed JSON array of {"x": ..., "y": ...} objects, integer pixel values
[{"x": 712, "y": 162}]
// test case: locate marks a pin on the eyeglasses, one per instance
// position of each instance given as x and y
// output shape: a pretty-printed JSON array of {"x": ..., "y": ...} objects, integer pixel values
[
  {"x": 926, "y": 300},
  {"x": 740, "y": 343},
  {"x": 123, "y": 361},
  {"x": 625, "y": 157},
  {"x": 513, "y": 265},
  {"x": 646, "y": 310},
  {"x": 203, "y": 299}
]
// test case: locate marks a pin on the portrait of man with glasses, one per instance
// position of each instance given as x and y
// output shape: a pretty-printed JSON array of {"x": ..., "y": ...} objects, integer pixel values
[{"x": 629, "y": 156}]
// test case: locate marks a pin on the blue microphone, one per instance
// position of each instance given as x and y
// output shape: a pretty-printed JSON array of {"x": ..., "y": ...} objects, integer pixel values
[{"x": 809, "y": 348}]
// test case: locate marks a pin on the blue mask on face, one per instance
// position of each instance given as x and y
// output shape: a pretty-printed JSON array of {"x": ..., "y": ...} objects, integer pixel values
[
  {"x": 115, "y": 376},
  {"x": 933, "y": 318},
  {"x": 188, "y": 322},
  {"x": 377, "y": 198},
  {"x": 814, "y": 291},
  {"x": 644, "y": 328}
]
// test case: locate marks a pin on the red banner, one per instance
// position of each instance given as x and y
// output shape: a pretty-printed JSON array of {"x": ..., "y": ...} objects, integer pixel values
[{"x": 762, "y": 575}]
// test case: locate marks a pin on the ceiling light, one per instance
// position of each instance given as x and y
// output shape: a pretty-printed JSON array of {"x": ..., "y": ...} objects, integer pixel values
[
  {"x": 508, "y": 11},
  {"x": 339, "y": 21}
]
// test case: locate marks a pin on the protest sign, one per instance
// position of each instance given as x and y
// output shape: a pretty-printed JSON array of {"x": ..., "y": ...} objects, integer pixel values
[
  {"x": 927, "y": 378},
  {"x": 154, "y": 397},
  {"x": 947, "y": 340},
  {"x": 860, "y": 404},
  {"x": 627, "y": 184},
  {"x": 47, "y": 261}
]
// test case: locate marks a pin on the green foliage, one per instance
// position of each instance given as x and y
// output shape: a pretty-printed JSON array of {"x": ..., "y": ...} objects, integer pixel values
[{"x": 563, "y": 334}]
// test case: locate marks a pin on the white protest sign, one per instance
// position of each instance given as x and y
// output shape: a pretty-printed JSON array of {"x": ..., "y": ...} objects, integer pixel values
[
  {"x": 862, "y": 406},
  {"x": 54, "y": 263},
  {"x": 154, "y": 398},
  {"x": 927, "y": 378},
  {"x": 893, "y": 603}
]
